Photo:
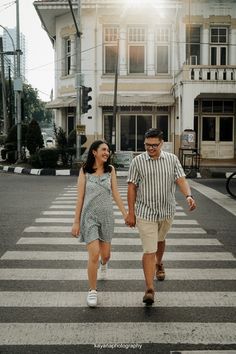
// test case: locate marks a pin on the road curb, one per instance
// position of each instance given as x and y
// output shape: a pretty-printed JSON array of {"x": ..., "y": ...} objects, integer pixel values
[
  {"x": 48, "y": 171},
  {"x": 40, "y": 171},
  {"x": 204, "y": 172}
]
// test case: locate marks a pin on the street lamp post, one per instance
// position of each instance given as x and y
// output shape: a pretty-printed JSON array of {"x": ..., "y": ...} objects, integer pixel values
[
  {"x": 18, "y": 87},
  {"x": 2, "y": 53},
  {"x": 78, "y": 76}
]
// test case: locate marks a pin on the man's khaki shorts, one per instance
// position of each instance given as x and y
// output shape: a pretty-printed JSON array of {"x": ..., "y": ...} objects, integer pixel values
[{"x": 152, "y": 232}]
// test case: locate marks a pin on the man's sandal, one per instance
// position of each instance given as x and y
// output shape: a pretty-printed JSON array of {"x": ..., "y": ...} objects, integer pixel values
[{"x": 160, "y": 272}]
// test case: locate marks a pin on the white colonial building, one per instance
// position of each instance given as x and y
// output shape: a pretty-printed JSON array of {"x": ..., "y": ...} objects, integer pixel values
[{"x": 177, "y": 70}]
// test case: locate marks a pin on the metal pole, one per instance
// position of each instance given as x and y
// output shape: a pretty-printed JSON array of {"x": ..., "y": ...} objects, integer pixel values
[
  {"x": 18, "y": 82},
  {"x": 116, "y": 82},
  {"x": 4, "y": 103},
  {"x": 78, "y": 78},
  {"x": 78, "y": 83}
]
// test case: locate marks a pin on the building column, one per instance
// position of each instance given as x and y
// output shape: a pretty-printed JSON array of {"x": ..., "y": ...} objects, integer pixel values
[
  {"x": 205, "y": 46},
  {"x": 123, "y": 51},
  {"x": 73, "y": 54},
  {"x": 150, "y": 53},
  {"x": 187, "y": 113},
  {"x": 232, "y": 47}
]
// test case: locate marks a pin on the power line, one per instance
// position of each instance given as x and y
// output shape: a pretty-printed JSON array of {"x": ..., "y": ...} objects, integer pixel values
[
  {"x": 6, "y": 6},
  {"x": 156, "y": 44}
]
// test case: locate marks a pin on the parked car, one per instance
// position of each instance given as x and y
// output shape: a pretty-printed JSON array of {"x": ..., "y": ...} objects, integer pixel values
[{"x": 50, "y": 142}]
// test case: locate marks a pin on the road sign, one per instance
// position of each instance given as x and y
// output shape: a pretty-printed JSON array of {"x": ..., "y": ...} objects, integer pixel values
[{"x": 80, "y": 129}]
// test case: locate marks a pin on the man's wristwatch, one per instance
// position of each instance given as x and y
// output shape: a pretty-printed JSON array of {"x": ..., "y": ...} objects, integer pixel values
[{"x": 189, "y": 196}]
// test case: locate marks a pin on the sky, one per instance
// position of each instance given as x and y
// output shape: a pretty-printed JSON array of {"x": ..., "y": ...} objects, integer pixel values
[{"x": 39, "y": 59}]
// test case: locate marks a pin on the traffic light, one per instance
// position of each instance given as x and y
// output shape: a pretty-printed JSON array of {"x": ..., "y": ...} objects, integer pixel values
[{"x": 86, "y": 98}]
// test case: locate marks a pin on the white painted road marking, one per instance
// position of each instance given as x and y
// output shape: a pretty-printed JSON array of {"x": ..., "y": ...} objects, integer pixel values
[
  {"x": 119, "y": 230},
  {"x": 117, "y": 221},
  {"x": 115, "y": 274},
  {"x": 116, "y": 299},
  {"x": 118, "y": 241},
  {"x": 121, "y": 332}
]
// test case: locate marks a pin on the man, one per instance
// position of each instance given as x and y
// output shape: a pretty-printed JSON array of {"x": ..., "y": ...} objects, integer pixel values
[{"x": 151, "y": 200}]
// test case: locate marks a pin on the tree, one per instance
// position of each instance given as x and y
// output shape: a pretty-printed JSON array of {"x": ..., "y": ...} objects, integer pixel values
[
  {"x": 33, "y": 107},
  {"x": 12, "y": 135},
  {"x": 34, "y": 139}
]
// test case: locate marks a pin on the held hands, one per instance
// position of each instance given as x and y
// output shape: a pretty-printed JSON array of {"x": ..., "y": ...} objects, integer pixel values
[
  {"x": 191, "y": 202},
  {"x": 130, "y": 220},
  {"x": 75, "y": 229}
]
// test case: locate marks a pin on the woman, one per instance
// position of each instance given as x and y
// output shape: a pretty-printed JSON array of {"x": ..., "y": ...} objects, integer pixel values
[{"x": 94, "y": 220}]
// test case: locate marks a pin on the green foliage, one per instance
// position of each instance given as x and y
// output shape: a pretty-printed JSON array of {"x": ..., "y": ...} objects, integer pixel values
[
  {"x": 34, "y": 160},
  {"x": 4, "y": 154},
  {"x": 12, "y": 135},
  {"x": 3, "y": 139},
  {"x": 33, "y": 107},
  {"x": 60, "y": 136},
  {"x": 72, "y": 138},
  {"x": 12, "y": 156},
  {"x": 48, "y": 157},
  {"x": 34, "y": 139}
]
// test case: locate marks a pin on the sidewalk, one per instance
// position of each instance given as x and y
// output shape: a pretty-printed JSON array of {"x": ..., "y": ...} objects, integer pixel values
[
  {"x": 208, "y": 169},
  {"x": 215, "y": 168}
]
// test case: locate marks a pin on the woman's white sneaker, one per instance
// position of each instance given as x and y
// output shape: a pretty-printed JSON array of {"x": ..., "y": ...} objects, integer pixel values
[
  {"x": 92, "y": 298},
  {"x": 102, "y": 271}
]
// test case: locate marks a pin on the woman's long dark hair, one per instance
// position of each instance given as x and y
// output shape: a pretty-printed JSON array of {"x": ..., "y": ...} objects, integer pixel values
[{"x": 88, "y": 165}]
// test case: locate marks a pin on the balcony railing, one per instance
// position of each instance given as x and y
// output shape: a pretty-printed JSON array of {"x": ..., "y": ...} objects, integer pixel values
[{"x": 208, "y": 73}]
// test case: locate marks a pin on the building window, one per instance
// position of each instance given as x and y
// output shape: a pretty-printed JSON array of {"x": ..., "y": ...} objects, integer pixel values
[
  {"x": 137, "y": 48},
  {"x": 110, "y": 130},
  {"x": 196, "y": 106},
  {"x": 219, "y": 46},
  {"x": 67, "y": 56},
  {"x": 208, "y": 128},
  {"x": 110, "y": 40},
  {"x": 226, "y": 129},
  {"x": 162, "y": 124},
  {"x": 162, "y": 50},
  {"x": 132, "y": 129},
  {"x": 217, "y": 106},
  {"x": 193, "y": 48},
  {"x": 70, "y": 124},
  {"x": 196, "y": 128}
]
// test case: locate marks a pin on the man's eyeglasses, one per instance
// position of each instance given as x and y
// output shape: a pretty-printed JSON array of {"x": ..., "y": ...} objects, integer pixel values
[{"x": 153, "y": 146}]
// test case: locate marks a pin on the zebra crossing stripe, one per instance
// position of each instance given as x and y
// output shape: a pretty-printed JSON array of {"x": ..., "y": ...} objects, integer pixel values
[
  {"x": 116, "y": 207},
  {"x": 119, "y": 230},
  {"x": 58, "y": 212},
  {"x": 66, "y": 212},
  {"x": 117, "y": 241},
  {"x": 66, "y": 198},
  {"x": 111, "y": 333},
  {"x": 180, "y": 230},
  {"x": 116, "y": 256},
  {"x": 62, "y": 207},
  {"x": 117, "y": 221},
  {"x": 115, "y": 274},
  {"x": 116, "y": 299},
  {"x": 204, "y": 352},
  {"x": 64, "y": 202}
]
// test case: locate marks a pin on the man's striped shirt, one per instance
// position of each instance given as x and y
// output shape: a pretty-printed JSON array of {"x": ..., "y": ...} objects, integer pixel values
[{"x": 155, "y": 181}]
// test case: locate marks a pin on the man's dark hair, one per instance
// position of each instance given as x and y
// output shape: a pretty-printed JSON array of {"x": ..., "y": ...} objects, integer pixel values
[{"x": 154, "y": 133}]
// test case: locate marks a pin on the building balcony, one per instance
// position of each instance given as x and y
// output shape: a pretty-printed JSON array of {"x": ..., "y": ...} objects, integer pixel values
[{"x": 207, "y": 73}]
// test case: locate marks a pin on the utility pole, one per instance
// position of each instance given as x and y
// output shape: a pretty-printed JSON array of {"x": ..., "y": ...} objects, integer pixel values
[
  {"x": 18, "y": 83},
  {"x": 116, "y": 81},
  {"x": 4, "y": 103},
  {"x": 78, "y": 76}
]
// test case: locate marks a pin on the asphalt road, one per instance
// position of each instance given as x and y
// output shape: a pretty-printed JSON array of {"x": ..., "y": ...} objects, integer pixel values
[{"x": 43, "y": 284}]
